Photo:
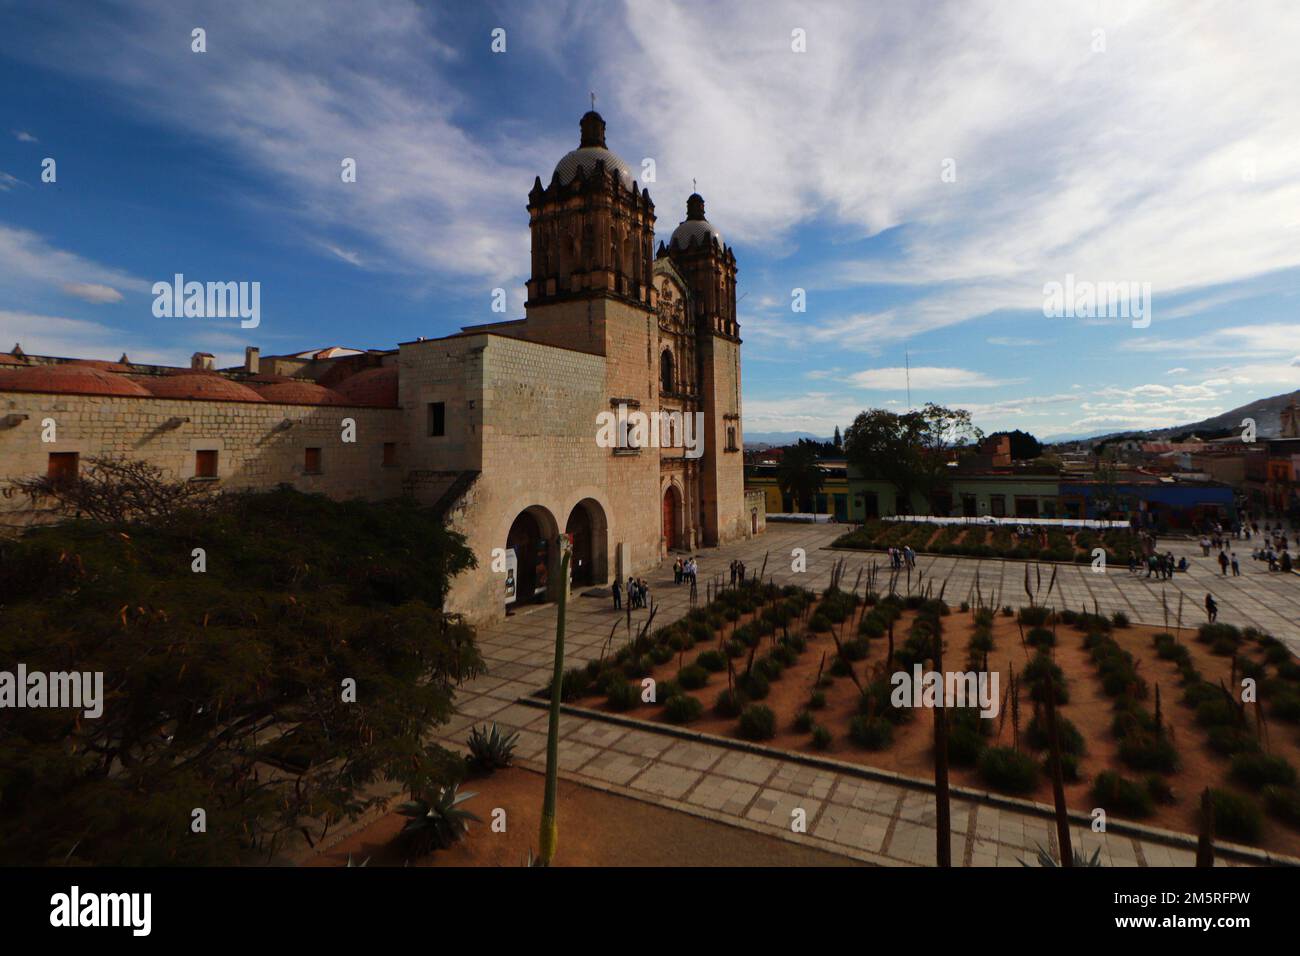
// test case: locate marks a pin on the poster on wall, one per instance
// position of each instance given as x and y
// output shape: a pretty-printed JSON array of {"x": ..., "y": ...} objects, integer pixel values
[
  {"x": 512, "y": 575},
  {"x": 539, "y": 572}
]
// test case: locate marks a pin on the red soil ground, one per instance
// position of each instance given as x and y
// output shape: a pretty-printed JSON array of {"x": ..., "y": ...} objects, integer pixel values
[
  {"x": 596, "y": 829},
  {"x": 1089, "y": 709}
]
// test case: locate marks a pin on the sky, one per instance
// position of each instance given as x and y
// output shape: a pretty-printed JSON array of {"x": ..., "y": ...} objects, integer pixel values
[{"x": 916, "y": 176}]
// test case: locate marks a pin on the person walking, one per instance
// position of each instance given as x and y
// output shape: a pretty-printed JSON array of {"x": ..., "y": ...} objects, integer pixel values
[
  {"x": 1236, "y": 567},
  {"x": 618, "y": 595},
  {"x": 1211, "y": 609},
  {"x": 1223, "y": 562}
]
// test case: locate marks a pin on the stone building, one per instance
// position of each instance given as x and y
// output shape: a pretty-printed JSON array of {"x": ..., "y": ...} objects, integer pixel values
[{"x": 498, "y": 425}]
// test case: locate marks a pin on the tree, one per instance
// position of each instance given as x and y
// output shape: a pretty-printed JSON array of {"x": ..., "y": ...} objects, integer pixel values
[
  {"x": 799, "y": 476},
  {"x": 837, "y": 441},
  {"x": 308, "y": 659},
  {"x": 911, "y": 451},
  {"x": 1024, "y": 446}
]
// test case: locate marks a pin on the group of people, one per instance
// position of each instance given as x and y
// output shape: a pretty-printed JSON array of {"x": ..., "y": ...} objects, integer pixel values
[
  {"x": 1162, "y": 566},
  {"x": 902, "y": 557},
  {"x": 737, "y": 573},
  {"x": 638, "y": 593},
  {"x": 686, "y": 571}
]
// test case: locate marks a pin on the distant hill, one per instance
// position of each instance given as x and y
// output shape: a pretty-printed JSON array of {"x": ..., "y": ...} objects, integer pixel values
[
  {"x": 759, "y": 440},
  {"x": 1265, "y": 411}
]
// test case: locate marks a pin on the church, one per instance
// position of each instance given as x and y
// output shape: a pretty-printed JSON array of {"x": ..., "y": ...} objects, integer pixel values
[{"x": 497, "y": 426}]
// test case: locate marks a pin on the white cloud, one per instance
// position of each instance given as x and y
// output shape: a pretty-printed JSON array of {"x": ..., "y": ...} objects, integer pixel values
[
  {"x": 27, "y": 259},
  {"x": 921, "y": 377},
  {"x": 25, "y": 137},
  {"x": 92, "y": 292}
]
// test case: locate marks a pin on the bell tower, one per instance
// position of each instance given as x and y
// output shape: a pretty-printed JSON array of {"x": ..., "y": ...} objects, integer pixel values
[{"x": 592, "y": 228}]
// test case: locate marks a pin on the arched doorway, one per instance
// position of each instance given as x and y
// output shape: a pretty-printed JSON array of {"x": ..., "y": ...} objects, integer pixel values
[
  {"x": 586, "y": 529},
  {"x": 672, "y": 505},
  {"x": 529, "y": 557}
]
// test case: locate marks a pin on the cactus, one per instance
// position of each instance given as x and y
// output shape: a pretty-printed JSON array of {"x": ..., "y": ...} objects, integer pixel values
[{"x": 549, "y": 829}]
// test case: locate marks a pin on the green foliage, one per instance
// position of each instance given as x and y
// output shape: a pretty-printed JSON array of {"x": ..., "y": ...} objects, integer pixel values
[
  {"x": 1229, "y": 740},
  {"x": 965, "y": 745},
  {"x": 1006, "y": 769},
  {"x": 1042, "y": 672},
  {"x": 1258, "y": 770},
  {"x": 757, "y": 722},
  {"x": 692, "y": 677},
  {"x": 712, "y": 660},
  {"x": 1040, "y": 637},
  {"x": 1236, "y": 817},
  {"x": 622, "y": 695},
  {"x": 821, "y": 737},
  {"x": 874, "y": 733},
  {"x": 436, "y": 822},
  {"x": 803, "y": 721},
  {"x": 491, "y": 749},
  {"x": 215, "y": 675},
  {"x": 1118, "y": 794},
  {"x": 1283, "y": 802},
  {"x": 1143, "y": 750},
  {"x": 682, "y": 709},
  {"x": 1068, "y": 737},
  {"x": 817, "y": 700},
  {"x": 729, "y": 703}
]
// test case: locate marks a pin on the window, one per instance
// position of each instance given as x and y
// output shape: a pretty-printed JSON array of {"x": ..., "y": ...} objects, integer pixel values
[
  {"x": 1026, "y": 507},
  {"x": 390, "y": 454},
  {"x": 731, "y": 438},
  {"x": 311, "y": 464},
  {"x": 998, "y": 505},
  {"x": 968, "y": 507},
  {"x": 666, "y": 371},
  {"x": 437, "y": 419},
  {"x": 205, "y": 464},
  {"x": 62, "y": 468}
]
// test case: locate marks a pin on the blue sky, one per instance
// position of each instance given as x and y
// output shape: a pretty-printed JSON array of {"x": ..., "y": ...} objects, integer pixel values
[{"x": 1114, "y": 142}]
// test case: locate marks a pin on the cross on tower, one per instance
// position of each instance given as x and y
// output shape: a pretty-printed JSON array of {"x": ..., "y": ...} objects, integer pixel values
[{"x": 593, "y": 102}]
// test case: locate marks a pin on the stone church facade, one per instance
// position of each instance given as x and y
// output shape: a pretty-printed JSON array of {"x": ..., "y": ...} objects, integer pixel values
[{"x": 496, "y": 425}]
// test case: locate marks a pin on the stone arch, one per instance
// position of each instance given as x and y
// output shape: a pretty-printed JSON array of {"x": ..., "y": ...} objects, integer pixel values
[
  {"x": 667, "y": 370},
  {"x": 534, "y": 538},
  {"x": 672, "y": 500},
  {"x": 588, "y": 527}
]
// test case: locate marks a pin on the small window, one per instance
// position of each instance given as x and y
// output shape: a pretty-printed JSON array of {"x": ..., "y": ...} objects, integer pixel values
[
  {"x": 205, "y": 464},
  {"x": 390, "y": 454},
  {"x": 666, "y": 371},
  {"x": 62, "y": 468},
  {"x": 731, "y": 438},
  {"x": 998, "y": 505},
  {"x": 437, "y": 419},
  {"x": 311, "y": 464}
]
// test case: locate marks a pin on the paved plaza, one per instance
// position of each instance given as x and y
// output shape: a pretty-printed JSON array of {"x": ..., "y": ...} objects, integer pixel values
[{"x": 871, "y": 820}]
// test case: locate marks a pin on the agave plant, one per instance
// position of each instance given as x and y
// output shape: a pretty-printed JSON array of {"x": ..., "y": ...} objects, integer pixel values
[
  {"x": 1045, "y": 858},
  {"x": 437, "y": 823},
  {"x": 490, "y": 749},
  {"x": 352, "y": 863}
]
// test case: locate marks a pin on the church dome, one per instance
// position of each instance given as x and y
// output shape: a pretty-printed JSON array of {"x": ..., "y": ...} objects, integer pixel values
[
  {"x": 68, "y": 379},
  {"x": 695, "y": 227},
  {"x": 590, "y": 152}
]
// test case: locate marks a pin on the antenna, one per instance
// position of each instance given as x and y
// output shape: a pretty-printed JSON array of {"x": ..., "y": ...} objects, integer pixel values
[
  {"x": 593, "y": 101},
  {"x": 907, "y": 372}
]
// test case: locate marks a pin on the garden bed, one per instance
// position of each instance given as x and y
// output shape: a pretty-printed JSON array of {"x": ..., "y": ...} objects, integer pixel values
[
  {"x": 1046, "y": 544},
  {"x": 1147, "y": 775}
]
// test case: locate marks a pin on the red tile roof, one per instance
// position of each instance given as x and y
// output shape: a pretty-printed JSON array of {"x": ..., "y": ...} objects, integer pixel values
[
  {"x": 67, "y": 379},
  {"x": 372, "y": 386}
]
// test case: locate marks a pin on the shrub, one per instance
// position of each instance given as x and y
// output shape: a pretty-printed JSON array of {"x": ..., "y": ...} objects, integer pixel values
[
  {"x": 682, "y": 709},
  {"x": 785, "y": 654},
  {"x": 1230, "y": 741},
  {"x": 622, "y": 695},
  {"x": 1119, "y": 619},
  {"x": 1159, "y": 789},
  {"x": 1258, "y": 770},
  {"x": 699, "y": 631},
  {"x": 1235, "y": 816},
  {"x": 692, "y": 677},
  {"x": 1284, "y": 704},
  {"x": 746, "y": 635},
  {"x": 796, "y": 642},
  {"x": 1004, "y": 768},
  {"x": 1217, "y": 712},
  {"x": 820, "y": 623},
  {"x": 1033, "y": 616},
  {"x": 1283, "y": 803},
  {"x": 856, "y": 650},
  {"x": 753, "y": 685},
  {"x": 490, "y": 749},
  {"x": 1148, "y": 751},
  {"x": 965, "y": 745},
  {"x": 817, "y": 701},
  {"x": 874, "y": 733},
  {"x": 1120, "y": 795},
  {"x": 1068, "y": 736},
  {"x": 1040, "y": 637},
  {"x": 803, "y": 721},
  {"x": 821, "y": 737},
  {"x": 1210, "y": 633},
  {"x": 734, "y": 648},
  {"x": 1069, "y": 767},
  {"x": 757, "y": 722},
  {"x": 770, "y": 667},
  {"x": 839, "y": 667},
  {"x": 661, "y": 653},
  {"x": 729, "y": 703},
  {"x": 712, "y": 660},
  {"x": 1042, "y": 671}
]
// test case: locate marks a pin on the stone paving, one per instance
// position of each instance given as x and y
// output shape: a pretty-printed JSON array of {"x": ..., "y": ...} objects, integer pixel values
[{"x": 874, "y": 821}]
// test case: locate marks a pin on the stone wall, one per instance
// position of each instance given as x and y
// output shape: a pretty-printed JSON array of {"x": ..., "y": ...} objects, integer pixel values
[{"x": 256, "y": 449}]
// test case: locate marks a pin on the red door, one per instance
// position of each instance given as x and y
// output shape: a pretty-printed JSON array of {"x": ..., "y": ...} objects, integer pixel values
[{"x": 670, "y": 518}]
